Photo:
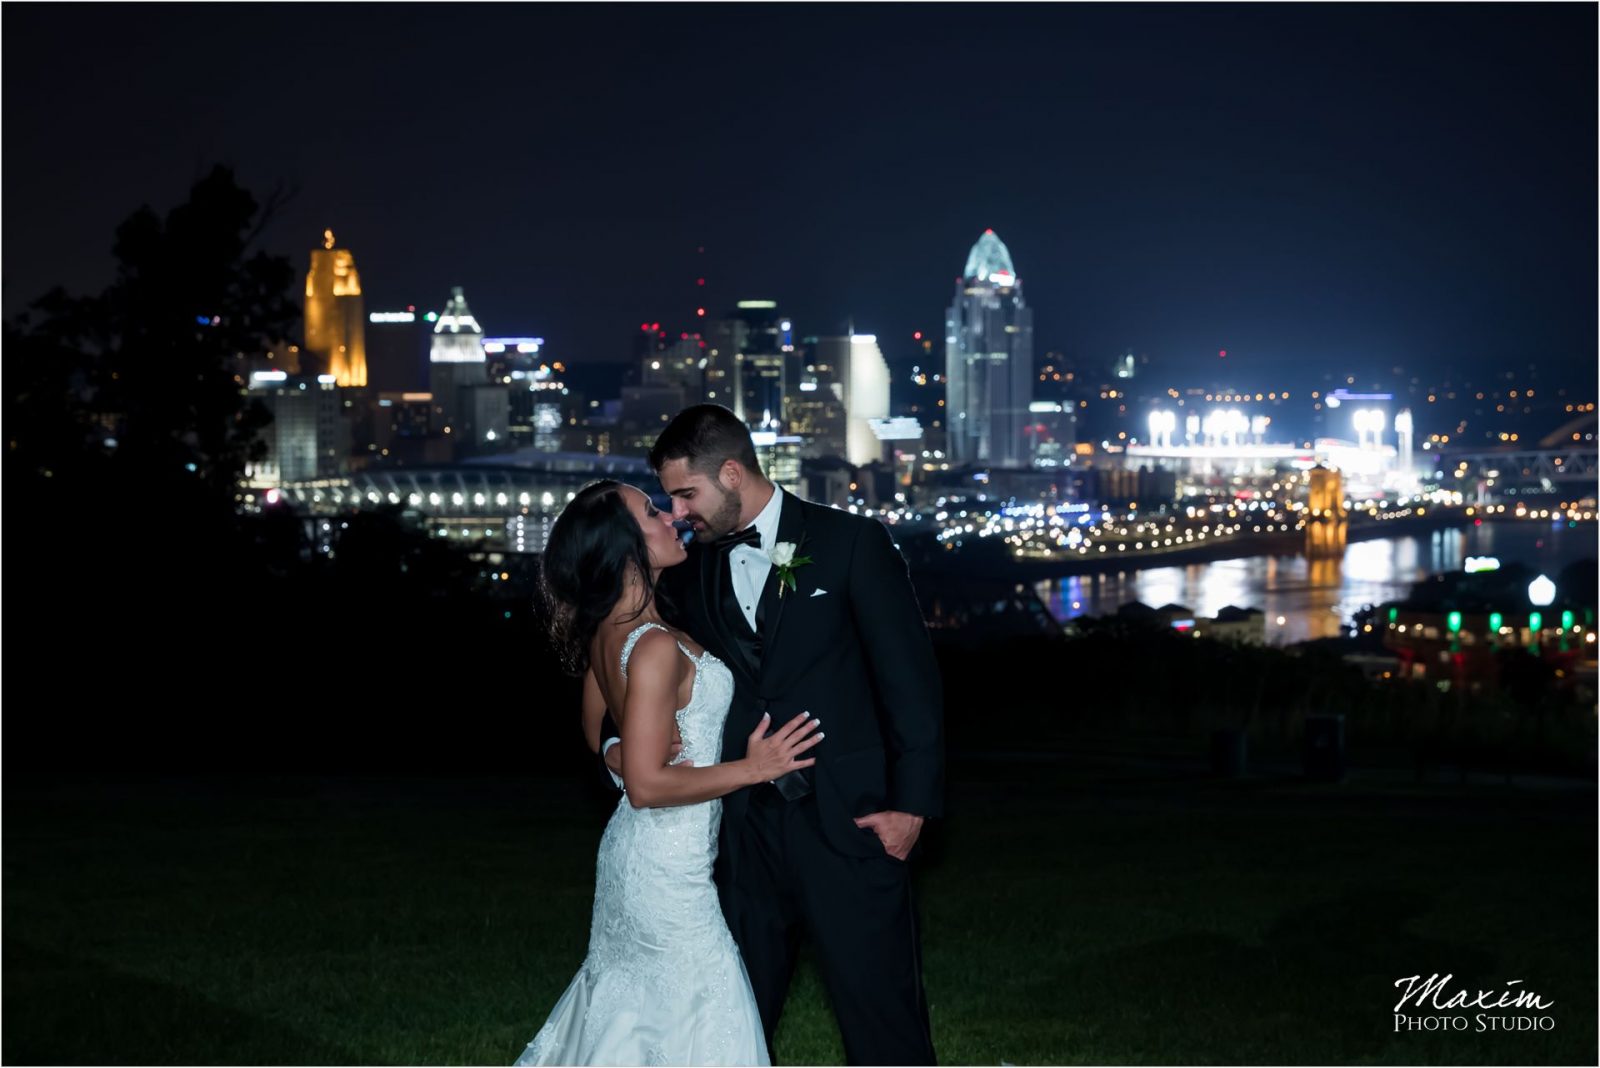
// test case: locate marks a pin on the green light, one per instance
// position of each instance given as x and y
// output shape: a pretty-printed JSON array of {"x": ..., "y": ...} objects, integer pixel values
[
  {"x": 432, "y": 317},
  {"x": 1535, "y": 621},
  {"x": 1455, "y": 622},
  {"x": 1394, "y": 614},
  {"x": 1496, "y": 621},
  {"x": 1566, "y": 620}
]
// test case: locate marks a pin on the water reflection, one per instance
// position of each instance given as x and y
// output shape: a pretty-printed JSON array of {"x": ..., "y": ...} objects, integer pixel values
[{"x": 1315, "y": 597}]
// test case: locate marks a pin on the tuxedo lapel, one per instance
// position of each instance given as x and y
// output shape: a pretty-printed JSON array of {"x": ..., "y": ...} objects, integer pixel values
[{"x": 791, "y": 528}]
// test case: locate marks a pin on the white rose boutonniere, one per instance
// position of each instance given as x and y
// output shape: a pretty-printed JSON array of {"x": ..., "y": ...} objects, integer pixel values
[{"x": 784, "y": 559}]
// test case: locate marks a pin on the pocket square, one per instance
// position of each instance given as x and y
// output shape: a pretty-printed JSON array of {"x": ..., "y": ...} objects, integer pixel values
[{"x": 818, "y": 592}]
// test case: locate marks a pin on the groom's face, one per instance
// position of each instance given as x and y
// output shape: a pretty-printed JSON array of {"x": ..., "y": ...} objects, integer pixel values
[{"x": 704, "y": 502}]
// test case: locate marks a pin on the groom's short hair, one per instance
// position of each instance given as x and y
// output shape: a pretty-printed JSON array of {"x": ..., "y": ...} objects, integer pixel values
[{"x": 708, "y": 436}]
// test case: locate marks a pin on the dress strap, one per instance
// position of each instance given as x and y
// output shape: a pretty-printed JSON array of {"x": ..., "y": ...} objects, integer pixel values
[{"x": 632, "y": 640}]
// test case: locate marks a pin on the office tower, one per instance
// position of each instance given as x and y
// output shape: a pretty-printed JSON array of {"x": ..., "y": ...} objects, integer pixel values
[
  {"x": 335, "y": 322},
  {"x": 751, "y": 363},
  {"x": 679, "y": 365},
  {"x": 863, "y": 389},
  {"x": 397, "y": 344},
  {"x": 534, "y": 389},
  {"x": 309, "y": 436},
  {"x": 473, "y": 411},
  {"x": 816, "y": 413},
  {"x": 988, "y": 360}
]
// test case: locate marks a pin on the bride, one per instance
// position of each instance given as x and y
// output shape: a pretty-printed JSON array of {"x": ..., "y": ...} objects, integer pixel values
[{"x": 663, "y": 982}]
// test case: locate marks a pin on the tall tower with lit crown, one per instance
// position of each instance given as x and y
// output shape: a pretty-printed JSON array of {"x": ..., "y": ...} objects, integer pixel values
[
  {"x": 335, "y": 316},
  {"x": 473, "y": 410},
  {"x": 988, "y": 360}
]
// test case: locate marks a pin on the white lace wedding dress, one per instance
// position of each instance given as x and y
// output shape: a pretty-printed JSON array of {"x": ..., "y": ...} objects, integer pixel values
[{"x": 663, "y": 982}]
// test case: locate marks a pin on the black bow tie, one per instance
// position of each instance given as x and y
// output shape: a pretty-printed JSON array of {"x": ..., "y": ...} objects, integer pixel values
[{"x": 748, "y": 536}]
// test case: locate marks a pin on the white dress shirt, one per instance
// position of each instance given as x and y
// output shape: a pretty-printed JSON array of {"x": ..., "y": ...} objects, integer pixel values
[{"x": 750, "y": 566}]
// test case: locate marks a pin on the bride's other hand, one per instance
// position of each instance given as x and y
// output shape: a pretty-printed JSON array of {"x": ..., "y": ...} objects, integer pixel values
[
  {"x": 771, "y": 757},
  {"x": 614, "y": 758}
]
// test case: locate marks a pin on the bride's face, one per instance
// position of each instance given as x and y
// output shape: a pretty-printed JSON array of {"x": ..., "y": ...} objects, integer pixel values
[{"x": 660, "y": 536}]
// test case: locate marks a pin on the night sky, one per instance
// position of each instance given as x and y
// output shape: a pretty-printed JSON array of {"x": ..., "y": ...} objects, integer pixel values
[{"x": 1312, "y": 188}]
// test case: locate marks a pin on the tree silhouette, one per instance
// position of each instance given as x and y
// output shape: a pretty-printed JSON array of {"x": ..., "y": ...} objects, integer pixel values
[{"x": 134, "y": 389}]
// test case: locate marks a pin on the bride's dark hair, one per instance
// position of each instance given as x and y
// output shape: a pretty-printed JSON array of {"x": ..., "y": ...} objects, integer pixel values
[{"x": 593, "y": 545}]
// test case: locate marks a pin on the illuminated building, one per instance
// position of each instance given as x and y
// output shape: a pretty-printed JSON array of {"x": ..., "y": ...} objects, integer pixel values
[
  {"x": 817, "y": 418},
  {"x": 679, "y": 365},
  {"x": 779, "y": 457},
  {"x": 1457, "y": 628},
  {"x": 403, "y": 431},
  {"x": 473, "y": 411},
  {"x": 335, "y": 320},
  {"x": 534, "y": 390},
  {"x": 751, "y": 361},
  {"x": 816, "y": 413},
  {"x": 988, "y": 361},
  {"x": 645, "y": 411},
  {"x": 863, "y": 380},
  {"x": 1052, "y": 432},
  {"x": 308, "y": 437}
]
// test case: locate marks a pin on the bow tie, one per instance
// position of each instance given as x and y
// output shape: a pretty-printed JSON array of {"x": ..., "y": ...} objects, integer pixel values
[{"x": 748, "y": 536}]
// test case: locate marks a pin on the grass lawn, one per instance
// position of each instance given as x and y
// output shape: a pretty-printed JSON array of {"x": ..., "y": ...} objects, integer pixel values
[{"x": 1071, "y": 914}]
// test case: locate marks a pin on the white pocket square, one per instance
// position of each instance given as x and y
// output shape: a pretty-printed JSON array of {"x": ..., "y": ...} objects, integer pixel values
[{"x": 818, "y": 592}]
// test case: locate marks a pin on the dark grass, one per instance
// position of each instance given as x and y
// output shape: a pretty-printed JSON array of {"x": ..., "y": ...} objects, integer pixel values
[{"x": 1074, "y": 914}]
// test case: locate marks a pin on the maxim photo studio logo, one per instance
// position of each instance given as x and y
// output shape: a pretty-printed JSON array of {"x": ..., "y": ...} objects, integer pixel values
[{"x": 1436, "y": 1009}]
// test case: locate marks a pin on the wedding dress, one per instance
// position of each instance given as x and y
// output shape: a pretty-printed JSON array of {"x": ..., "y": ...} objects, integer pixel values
[{"x": 663, "y": 982}]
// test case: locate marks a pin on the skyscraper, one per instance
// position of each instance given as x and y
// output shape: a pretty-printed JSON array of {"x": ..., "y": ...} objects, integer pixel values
[
  {"x": 335, "y": 323},
  {"x": 308, "y": 438},
  {"x": 988, "y": 360},
  {"x": 397, "y": 345},
  {"x": 863, "y": 378},
  {"x": 474, "y": 411},
  {"x": 752, "y": 363}
]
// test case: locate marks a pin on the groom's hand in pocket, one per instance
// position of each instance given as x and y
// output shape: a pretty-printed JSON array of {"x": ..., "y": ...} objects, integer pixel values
[{"x": 898, "y": 831}]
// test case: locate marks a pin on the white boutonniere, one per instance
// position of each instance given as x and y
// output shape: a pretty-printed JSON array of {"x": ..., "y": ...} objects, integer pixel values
[{"x": 784, "y": 559}]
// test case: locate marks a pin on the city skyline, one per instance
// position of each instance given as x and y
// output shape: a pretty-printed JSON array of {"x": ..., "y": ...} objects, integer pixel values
[{"x": 1346, "y": 191}]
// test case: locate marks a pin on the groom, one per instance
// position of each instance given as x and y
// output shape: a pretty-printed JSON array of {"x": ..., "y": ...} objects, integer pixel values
[{"x": 837, "y": 633}]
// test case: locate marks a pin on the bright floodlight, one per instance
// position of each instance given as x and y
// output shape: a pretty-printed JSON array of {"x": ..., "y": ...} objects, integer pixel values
[{"x": 1541, "y": 591}]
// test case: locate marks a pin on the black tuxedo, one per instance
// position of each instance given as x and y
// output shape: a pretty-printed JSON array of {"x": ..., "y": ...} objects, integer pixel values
[{"x": 856, "y": 656}]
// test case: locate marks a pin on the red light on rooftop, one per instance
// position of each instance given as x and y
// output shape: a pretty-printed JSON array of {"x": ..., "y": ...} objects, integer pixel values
[
  {"x": 645, "y": 327},
  {"x": 988, "y": 231},
  {"x": 917, "y": 336},
  {"x": 1222, "y": 354},
  {"x": 699, "y": 281},
  {"x": 699, "y": 311}
]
